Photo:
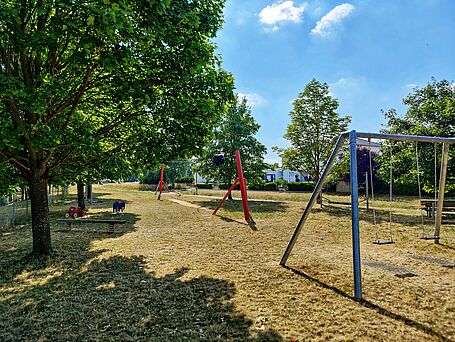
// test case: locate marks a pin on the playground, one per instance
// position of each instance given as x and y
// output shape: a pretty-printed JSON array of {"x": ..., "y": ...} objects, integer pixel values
[{"x": 176, "y": 272}]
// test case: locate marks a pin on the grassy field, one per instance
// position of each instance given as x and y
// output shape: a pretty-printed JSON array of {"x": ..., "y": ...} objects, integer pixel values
[{"x": 175, "y": 272}]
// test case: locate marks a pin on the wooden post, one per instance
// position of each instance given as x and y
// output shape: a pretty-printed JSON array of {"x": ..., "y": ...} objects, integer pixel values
[{"x": 442, "y": 188}]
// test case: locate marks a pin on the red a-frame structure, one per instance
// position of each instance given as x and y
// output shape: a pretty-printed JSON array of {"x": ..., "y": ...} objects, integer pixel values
[
  {"x": 240, "y": 180},
  {"x": 160, "y": 184}
]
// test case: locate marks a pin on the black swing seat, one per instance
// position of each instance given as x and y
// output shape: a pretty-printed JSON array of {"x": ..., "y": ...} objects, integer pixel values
[
  {"x": 432, "y": 237},
  {"x": 383, "y": 242}
]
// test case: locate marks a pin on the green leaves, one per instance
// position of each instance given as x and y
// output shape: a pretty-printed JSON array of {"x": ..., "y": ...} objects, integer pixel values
[
  {"x": 92, "y": 89},
  {"x": 95, "y": 75},
  {"x": 315, "y": 126},
  {"x": 236, "y": 131},
  {"x": 431, "y": 111}
]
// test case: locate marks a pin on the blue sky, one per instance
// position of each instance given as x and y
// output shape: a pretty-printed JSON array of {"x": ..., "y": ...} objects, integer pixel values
[{"x": 371, "y": 53}]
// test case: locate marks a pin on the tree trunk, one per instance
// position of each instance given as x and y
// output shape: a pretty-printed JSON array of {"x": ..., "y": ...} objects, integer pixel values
[
  {"x": 80, "y": 196},
  {"x": 89, "y": 193},
  {"x": 41, "y": 230},
  {"x": 229, "y": 186}
]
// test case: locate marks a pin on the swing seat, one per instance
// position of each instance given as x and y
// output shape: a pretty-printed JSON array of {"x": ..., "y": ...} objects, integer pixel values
[
  {"x": 383, "y": 242},
  {"x": 429, "y": 237}
]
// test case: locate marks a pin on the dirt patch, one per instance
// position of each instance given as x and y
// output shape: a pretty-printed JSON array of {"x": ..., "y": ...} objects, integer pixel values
[{"x": 184, "y": 203}]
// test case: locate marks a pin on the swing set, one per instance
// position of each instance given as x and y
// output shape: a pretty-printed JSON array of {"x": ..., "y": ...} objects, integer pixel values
[{"x": 352, "y": 136}]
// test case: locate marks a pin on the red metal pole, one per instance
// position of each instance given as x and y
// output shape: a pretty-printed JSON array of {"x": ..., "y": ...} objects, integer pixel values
[
  {"x": 242, "y": 181},
  {"x": 226, "y": 196},
  {"x": 161, "y": 178}
]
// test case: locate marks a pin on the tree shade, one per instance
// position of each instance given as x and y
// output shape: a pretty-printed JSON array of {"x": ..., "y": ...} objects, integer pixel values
[{"x": 90, "y": 86}]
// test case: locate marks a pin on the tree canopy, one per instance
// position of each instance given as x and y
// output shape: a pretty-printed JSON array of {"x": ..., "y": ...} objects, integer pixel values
[
  {"x": 431, "y": 112},
  {"x": 315, "y": 126},
  {"x": 236, "y": 131},
  {"x": 82, "y": 81}
]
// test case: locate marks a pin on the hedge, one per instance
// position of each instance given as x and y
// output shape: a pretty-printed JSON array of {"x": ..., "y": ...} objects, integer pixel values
[
  {"x": 204, "y": 185},
  {"x": 301, "y": 186},
  {"x": 224, "y": 186},
  {"x": 187, "y": 180}
]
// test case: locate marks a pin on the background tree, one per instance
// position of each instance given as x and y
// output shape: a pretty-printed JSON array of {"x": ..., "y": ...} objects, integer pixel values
[
  {"x": 173, "y": 170},
  {"x": 431, "y": 111},
  {"x": 82, "y": 80},
  {"x": 236, "y": 131},
  {"x": 315, "y": 126},
  {"x": 341, "y": 169}
]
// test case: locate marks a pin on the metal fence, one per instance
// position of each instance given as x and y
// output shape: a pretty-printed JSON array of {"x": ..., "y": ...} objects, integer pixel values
[{"x": 15, "y": 211}]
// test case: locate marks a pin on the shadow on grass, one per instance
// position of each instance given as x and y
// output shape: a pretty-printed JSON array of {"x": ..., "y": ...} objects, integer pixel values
[
  {"x": 77, "y": 296},
  {"x": 382, "y": 215},
  {"x": 383, "y": 311},
  {"x": 16, "y": 243},
  {"x": 254, "y": 206}
]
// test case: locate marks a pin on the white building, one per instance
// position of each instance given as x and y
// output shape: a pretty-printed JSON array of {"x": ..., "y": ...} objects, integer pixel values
[
  {"x": 287, "y": 175},
  {"x": 272, "y": 176}
]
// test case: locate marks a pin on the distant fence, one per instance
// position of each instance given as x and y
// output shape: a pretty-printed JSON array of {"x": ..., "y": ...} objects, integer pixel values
[{"x": 15, "y": 211}]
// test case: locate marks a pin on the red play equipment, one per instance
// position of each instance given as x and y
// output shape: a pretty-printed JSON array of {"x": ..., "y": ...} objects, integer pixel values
[
  {"x": 160, "y": 184},
  {"x": 242, "y": 181},
  {"x": 74, "y": 212}
]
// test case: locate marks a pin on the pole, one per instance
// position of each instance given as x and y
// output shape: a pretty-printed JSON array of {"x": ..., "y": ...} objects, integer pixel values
[
  {"x": 367, "y": 191},
  {"x": 160, "y": 184},
  {"x": 243, "y": 192},
  {"x": 355, "y": 216},
  {"x": 161, "y": 178},
  {"x": 225, "y": 196},
  {"x": 313, "y": 197},
  {"x": 402, "y": 137},
  {"x": 196, "y": 182},
  {"x": 442, "y": 188}
]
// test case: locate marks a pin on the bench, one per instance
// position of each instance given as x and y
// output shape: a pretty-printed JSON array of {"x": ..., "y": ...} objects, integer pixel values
[
  {"x": 111, "y": 223},
  {"x": 429, "y": 206}
]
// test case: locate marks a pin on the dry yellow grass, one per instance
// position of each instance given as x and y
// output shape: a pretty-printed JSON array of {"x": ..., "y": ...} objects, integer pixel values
[{"x": 177, "y": 273}]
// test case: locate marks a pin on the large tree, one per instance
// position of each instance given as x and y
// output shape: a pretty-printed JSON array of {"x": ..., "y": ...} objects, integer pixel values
[
  {"x": 315, "y": 126},
  {"x": 81, "y": 81},
  {"x": 236, "y": 131},
  {"x": 431, "y": 111}
]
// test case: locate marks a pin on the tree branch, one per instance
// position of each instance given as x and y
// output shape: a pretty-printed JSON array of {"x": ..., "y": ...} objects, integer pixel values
[
  {"x": 106, "y": 129},
  {"x": 63, "y": 160},
  {"x": 21, "y": 167},
  {"x": 73, "y": 99}
]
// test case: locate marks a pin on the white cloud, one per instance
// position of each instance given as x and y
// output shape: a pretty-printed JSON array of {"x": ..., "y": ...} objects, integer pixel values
[
  {"x": 347, "y": 87},
  {"x": 324, "y": 26},
  {"x": 411, "y": 85},
  {"x": 272, "y": 29},
  {"x": 253, "y": 99},
  {"x": 281, "y": 12}
]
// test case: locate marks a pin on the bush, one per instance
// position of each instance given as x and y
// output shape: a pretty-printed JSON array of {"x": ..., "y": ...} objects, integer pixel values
[
  {"x": 270, "y": 186},
  {"x": 150, "y": 178},
  {"x": 186, "y": 180},
  {"x": 224, "y": 186},
  {"x": 301, "y": 186},
  {"x": 204, "y": 185},
  {"x": 256, "y": 184},
  {"x": 405, "y": 189}
]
